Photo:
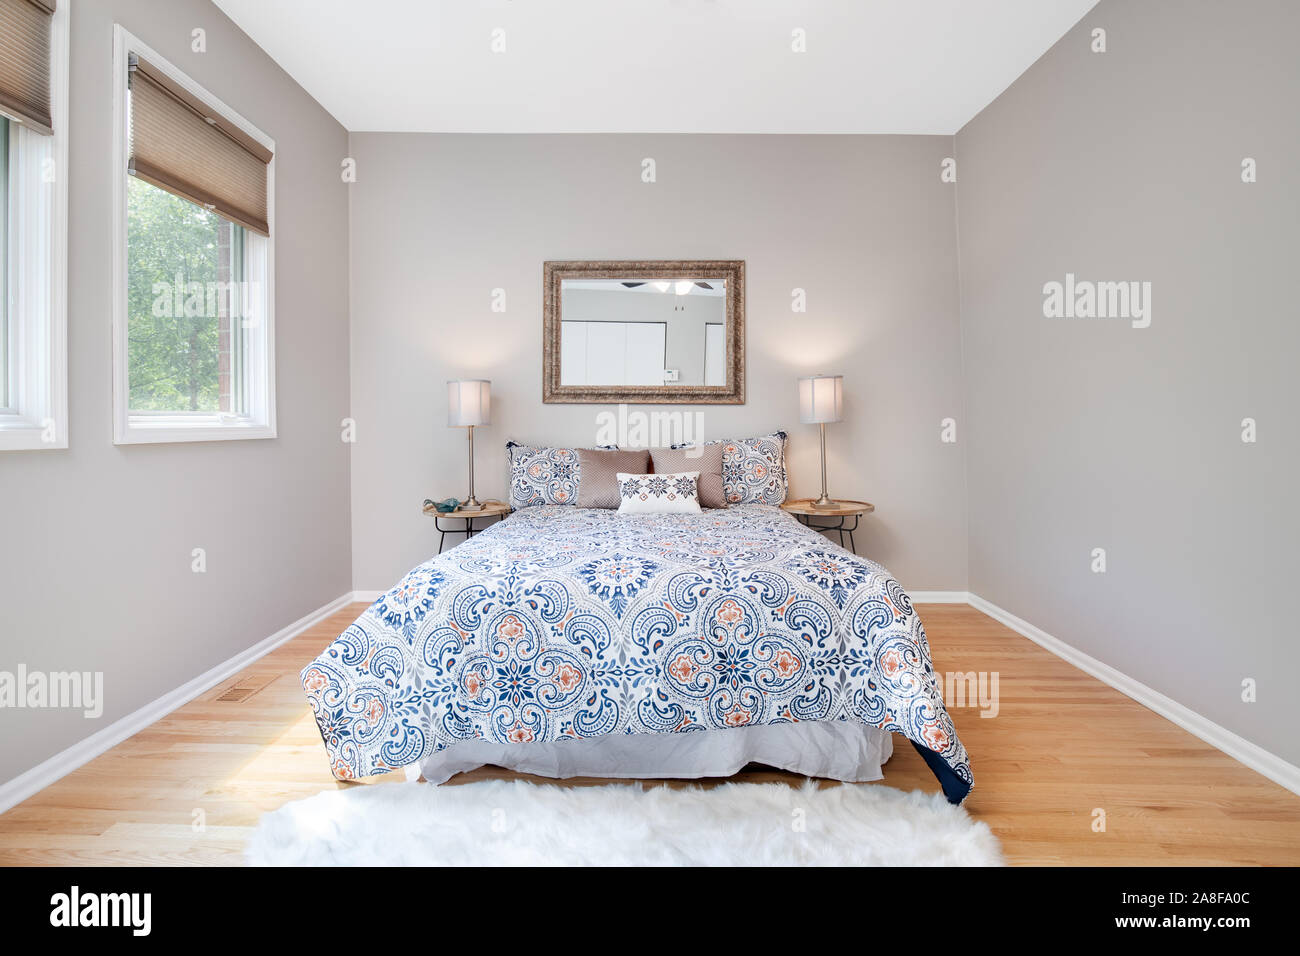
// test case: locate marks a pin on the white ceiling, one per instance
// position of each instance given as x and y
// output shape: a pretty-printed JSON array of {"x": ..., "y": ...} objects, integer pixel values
[
  {"x": 646, "y": 66},
  {"x": 717, "y": 287}
]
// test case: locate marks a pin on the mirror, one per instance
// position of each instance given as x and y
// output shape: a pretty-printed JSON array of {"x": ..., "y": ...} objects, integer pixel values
[{"x": 644, "y": 331}]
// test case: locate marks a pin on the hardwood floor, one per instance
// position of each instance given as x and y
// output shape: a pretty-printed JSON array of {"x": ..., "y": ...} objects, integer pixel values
[{"x": 1061, "y": 746}]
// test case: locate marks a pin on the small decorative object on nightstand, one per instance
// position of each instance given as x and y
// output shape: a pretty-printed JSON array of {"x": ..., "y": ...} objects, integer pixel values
[
  {"x": 486, "y": 509},
  {"x": 821, "y": 401},
  {"x": 469, "y": 403},
  {"x": 805, "y": 508}
]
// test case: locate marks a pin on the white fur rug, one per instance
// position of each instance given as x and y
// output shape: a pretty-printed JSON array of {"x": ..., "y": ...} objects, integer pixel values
[{"x": 510, "y": 822}]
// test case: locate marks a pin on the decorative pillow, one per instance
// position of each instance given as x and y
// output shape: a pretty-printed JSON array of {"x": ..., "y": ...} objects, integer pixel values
[
  {"x": 706, "y": 458},
  {"x": 600, "y": 470},
  {"x": 753, "y": 469},
  {"x": 542, "y": 476},
  {"x": 659, "y": 494}
]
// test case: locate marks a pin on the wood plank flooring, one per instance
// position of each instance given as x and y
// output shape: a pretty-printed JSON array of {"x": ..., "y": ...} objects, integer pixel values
[{"x": 1062, "y": 745}]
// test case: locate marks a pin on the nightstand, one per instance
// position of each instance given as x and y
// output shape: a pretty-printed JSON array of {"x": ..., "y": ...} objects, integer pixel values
[
  {"x": 803, "y": 510},
  {"x": 490, "y": 509}
]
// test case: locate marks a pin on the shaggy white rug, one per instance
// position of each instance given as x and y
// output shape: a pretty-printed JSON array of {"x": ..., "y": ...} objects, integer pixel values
[{"x": 510, "y": 822}]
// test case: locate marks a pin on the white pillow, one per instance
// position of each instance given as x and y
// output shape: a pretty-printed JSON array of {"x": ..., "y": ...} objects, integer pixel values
[{"x": 677, "y": 493}]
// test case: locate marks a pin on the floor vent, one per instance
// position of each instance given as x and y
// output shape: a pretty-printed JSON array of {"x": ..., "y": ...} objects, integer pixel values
[{"x": 245, "y": 687}]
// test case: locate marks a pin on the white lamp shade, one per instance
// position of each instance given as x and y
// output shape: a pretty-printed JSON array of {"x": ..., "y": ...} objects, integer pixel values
[
  {"x": 821, "y": 399},
  {"x": 469, "y": 402}
]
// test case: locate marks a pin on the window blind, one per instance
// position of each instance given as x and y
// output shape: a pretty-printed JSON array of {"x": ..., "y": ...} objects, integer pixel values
[
  {"x": 177, "y": 144},
  {"x": 25, "y": 62}
]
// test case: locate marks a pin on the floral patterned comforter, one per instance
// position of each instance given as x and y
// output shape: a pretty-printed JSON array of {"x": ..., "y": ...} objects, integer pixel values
[{"x": 564, "y": 622}]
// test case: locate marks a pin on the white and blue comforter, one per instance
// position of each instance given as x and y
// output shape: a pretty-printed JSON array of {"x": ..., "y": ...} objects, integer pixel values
[{"x": 562, "y": 622}]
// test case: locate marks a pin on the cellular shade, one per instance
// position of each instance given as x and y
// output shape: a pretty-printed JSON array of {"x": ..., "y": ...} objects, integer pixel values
[
  {"x": 179, "y": 145},
  {"x": 821, "y": 399},
  {"x": 25, "y": 62},
  {"x": 469, "y": 402}
]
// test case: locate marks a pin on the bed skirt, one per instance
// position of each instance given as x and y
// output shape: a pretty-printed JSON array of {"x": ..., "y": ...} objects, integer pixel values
[{"x": 838, "y": 750}]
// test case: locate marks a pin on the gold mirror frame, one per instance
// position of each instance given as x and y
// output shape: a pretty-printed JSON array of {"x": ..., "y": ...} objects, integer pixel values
[{"x": 554, "y": 272}]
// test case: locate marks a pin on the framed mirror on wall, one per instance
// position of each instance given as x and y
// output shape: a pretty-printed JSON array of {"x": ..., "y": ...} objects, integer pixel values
[{"x": 644, "y": 331}]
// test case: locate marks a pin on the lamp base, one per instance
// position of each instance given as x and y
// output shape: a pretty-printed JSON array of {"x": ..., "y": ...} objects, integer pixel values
[
  {"x": 473, "y": 504},
  {"x": 826, "y": 504}
]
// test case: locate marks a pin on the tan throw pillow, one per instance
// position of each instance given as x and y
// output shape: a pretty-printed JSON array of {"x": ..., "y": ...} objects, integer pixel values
[
  {"x": 599, "y": 485},
  {"x": 706, "y": 459}
]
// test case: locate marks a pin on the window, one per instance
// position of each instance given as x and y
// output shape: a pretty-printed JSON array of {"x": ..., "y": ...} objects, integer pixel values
[
  {"x": 6, "y": 400},
  {"x": 33, "y": 224},
  {"x": 193, "y": 327},
  {"x": 189, "y": 307}
]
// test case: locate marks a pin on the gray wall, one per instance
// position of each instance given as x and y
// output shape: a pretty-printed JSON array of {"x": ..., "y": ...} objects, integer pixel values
[
  {"x": 1090, "y": 433},
  {"x": 862, "y": 223},
  {"x": 95, "y": 564}
]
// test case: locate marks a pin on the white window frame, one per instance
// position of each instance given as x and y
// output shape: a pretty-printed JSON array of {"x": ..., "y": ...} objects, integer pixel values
[
  {"x": 37, "y": 259},
  {"x": 129, "y": 429}
]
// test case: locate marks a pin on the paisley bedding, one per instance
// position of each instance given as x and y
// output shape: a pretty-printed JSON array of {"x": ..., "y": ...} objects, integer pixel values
[{"x": 561, "y": 623}]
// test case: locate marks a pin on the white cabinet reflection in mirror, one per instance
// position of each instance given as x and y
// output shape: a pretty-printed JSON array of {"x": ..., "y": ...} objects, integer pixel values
[
  {"x": 638, "y": 332},
  {"x": 612, "y": 353},
  {"x": 715, "y": 353}
]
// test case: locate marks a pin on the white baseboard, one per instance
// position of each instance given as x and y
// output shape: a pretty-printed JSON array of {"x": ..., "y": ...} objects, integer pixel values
[
  {"x": 1239, "y": 748},
  {"x": 370, "y": 597},
  {"x": 939, "y": 597},
  {"x": 61, "y": 764}
]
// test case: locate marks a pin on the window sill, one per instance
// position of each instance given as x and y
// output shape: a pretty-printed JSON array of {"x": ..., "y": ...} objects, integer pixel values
[
  {"x": 148, "y": 429},
  {"x": 24, "y": 433}
]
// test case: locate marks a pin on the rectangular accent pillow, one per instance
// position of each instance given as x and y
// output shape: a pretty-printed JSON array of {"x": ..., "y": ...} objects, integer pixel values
[
  {"x": 600, "y": 470},
  {"x": 753, "y": 469},
  {"x": 707, "y": 459},
  {"x": 659, "y": 494},
  {"x": 542, "y": 475}
]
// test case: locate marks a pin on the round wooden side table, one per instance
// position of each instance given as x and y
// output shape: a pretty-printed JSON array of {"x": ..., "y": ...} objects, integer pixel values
[
  {"x": 490, "y": 509},
  {"x": 803, "y": 510}
]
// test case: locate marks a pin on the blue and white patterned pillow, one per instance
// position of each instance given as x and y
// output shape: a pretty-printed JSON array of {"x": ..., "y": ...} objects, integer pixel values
[
  {"x": 753, "y": 469},
  {"x": 658, "y": 494},
  {"x": 544, "y": 476}
]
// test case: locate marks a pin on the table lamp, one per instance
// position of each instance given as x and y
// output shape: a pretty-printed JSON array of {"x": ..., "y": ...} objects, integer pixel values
[
  {"x": 821, "y": 400},
  {"x": 469, "y": 403}
]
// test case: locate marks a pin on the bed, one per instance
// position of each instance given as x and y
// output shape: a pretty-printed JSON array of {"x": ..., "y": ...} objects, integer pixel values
[{"x": 566, "y": 640}]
